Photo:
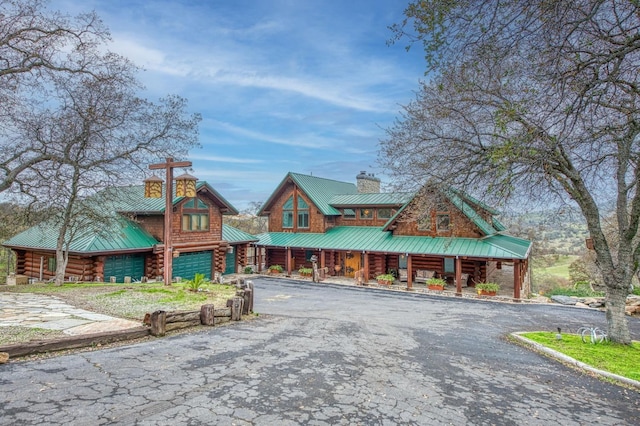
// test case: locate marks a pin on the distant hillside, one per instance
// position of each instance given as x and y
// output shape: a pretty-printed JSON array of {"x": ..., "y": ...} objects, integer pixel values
[{"x": 552, "y": 231}]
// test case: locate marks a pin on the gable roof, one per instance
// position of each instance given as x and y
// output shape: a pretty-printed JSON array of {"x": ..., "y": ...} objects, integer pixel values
[
  {"x": 375, "y": 239},
  {"x": 116, "y": 235},
  {"x": 319, "y": 190},
  {"x": 459, "y": 200},
  {"x": 131, "y": 199}
]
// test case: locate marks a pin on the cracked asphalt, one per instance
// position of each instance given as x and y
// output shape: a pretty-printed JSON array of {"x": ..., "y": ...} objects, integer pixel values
[{"x": 323, "y": 354}]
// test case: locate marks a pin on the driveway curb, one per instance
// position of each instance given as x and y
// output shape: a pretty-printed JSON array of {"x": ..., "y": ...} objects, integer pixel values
[{"x": 573, "y": 362}]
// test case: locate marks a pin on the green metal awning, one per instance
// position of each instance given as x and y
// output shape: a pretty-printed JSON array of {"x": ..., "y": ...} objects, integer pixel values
[{"x": 374, "y": 239}]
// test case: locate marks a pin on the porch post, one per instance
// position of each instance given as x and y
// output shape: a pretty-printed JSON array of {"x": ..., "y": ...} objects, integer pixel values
[
  {"x": 409, "y": 272},
  {"x": 516, "y": 279},
  {"x": 288, "y": 260},
  {"x": 458, "y": 276},
  {"x": 365, "y": 267}
]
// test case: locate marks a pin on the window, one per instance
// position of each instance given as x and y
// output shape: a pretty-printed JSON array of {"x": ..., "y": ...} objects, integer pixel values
[
  {"x": 442, "y": 222},
  {"x": 51, "y": 264},
  {"x": 195, "y": 222},
  {"x": 287, "y": 213},
  {"x": 385, "y": 213},
  {"x": 195, "y": 215},
  {"x": 366, "y": 213},
  {"x": 303, "y": 213},
  {"x": 349, "y": 214},
  {"x": 424, "y": 222}
]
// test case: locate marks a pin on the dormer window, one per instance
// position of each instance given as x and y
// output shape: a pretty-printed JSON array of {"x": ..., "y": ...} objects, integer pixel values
[
  {"x": 385, "y": 213},
  {"x": 366, "y": 213},
  {"x": 349, "y": 214}
]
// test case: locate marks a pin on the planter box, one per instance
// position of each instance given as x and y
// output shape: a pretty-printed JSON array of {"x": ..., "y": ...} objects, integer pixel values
[
  {"x": 17, "y": 279},
  {"x": 436, "y": 287},
  {"x": 486, "y": 293}
]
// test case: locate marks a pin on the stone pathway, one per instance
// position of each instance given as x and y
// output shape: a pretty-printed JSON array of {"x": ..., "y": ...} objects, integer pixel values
[{"x": 51, "y": 313}]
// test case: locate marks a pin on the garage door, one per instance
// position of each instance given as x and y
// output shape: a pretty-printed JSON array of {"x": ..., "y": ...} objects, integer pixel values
[
  {"x": 187, "y": 265},
  {"x": 125, "y": 265},
  {"x": 230, "y": 260}
]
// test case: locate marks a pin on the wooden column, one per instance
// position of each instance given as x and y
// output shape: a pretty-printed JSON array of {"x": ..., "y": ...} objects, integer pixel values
[
  {"x": 289, "y": 260},
  {"x": 458, "y": 276},
  {"x": 409, "y": 272},
  {"x": 365, "y": 268},
  {"x": 516, "y": 279},
  {"x": 323, "y": 259},
  {"x": 207, "y": 315}
]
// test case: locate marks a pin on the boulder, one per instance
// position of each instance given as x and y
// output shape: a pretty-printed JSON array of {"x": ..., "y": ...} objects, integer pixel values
[
  {"x": 565, "y": 300},
  {"x": 4, "y": 357}
]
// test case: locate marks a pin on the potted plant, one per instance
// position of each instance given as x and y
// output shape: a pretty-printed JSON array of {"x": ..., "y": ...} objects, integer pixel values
[
  {"x": 305, "y": 272},
  {"x": 487, "y": 289},
  {"x": 436, "y": 283},
  {"x": 385, "y": 279},
  {"x": 275, "y": 269}
]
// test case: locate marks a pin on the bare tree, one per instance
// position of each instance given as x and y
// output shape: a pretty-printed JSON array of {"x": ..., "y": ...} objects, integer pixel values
[
  {"x": 38, "y": 46},
  {"x": 83, "y": 130},
  {"x": 537, "y": 99}
]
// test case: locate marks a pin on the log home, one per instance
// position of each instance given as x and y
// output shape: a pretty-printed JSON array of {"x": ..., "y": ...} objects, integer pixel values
[
  {"x": 358, "y": 231},
  {"x": 130, "y": 244}
]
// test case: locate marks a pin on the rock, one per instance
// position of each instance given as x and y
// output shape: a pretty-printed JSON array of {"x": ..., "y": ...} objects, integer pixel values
[
  {"x": 565, "y": 300},
  {"x": 4, "y": 357}
]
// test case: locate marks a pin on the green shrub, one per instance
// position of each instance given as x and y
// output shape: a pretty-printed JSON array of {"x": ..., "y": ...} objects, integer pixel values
[
  {"x": 573, "y": 291},
  {"x": 488, "y": 286},
  {"x": 385, "y": 277},
  {"x": 436, "y": 281},
  {"x": 248, "y": 270},
  {"x": 196, "y": 283},
  {"x": 276, "y": 268},
  {"x": 305, "y": 271}
]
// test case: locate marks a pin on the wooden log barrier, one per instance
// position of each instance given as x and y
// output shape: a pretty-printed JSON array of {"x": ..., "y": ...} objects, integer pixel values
[
  {"x": 249, "y": 285},
  {"x": 158, "y": 323},
  {"x": 236, "y": 305},
  {"x": 207, "y": 315}
]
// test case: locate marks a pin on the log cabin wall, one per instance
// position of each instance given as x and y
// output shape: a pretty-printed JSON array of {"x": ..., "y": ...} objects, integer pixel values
[
  {"x": 276, "y": 256},
  {"x": 20, "y": 261},
  {"x": 80, "y": 268}
]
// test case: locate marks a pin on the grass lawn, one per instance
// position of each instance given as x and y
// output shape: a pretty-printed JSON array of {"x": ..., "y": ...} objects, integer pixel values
[
  {"x": 613, "y": 358},
  {"x": 560, "y": 268},
  {"x": 131, "y": 301}
]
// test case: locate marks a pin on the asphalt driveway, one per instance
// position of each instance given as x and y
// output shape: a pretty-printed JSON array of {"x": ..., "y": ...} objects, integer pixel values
[{"x": 325, "y": 354}]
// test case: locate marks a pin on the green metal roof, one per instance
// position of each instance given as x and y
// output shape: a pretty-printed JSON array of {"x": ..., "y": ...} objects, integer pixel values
[
  {"x": 131, "y": 199},
  {"x": 118, "y": 234},
  {"x": 234, "y": 235},
  {"x": 375, "y": 239},
  {"x": 371, "y": 199},
  {"x": 470, "y": 213},
  {"x": 319, "y": 190}
]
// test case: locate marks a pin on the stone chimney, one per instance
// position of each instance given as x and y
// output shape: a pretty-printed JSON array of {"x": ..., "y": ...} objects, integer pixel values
[{"x": 367, "y": 183}]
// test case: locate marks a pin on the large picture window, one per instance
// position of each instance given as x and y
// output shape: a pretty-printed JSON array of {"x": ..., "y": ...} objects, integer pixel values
[{"x": 366, "y": 213}]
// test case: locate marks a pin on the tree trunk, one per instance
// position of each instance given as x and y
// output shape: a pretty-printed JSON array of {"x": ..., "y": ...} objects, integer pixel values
[{"x": 617, "y": 328}]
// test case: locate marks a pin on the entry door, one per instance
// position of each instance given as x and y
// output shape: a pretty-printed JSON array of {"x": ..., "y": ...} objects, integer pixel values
[
  {"x": 351, "y": 264},
  {"x": 230, "y": 260}
]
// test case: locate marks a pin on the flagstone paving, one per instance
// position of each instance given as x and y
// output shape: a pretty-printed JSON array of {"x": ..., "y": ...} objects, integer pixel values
[{"x": 51, "y": 313}]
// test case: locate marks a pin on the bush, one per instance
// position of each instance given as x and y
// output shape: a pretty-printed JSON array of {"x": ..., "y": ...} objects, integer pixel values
[
  {"x": 196, "y": 283},
  {"x": 487, "y": 286},
  {"x": 276, "y": 268},
  {"x": 248, "y": 270},
  {"x": 385, "y": 277},
  {"x": 436, "y": 281},
  {"x": 580, "y": 291}
]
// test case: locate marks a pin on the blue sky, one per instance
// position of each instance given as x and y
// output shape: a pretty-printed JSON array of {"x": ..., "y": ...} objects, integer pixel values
[{"x": 282, "y": 85}]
